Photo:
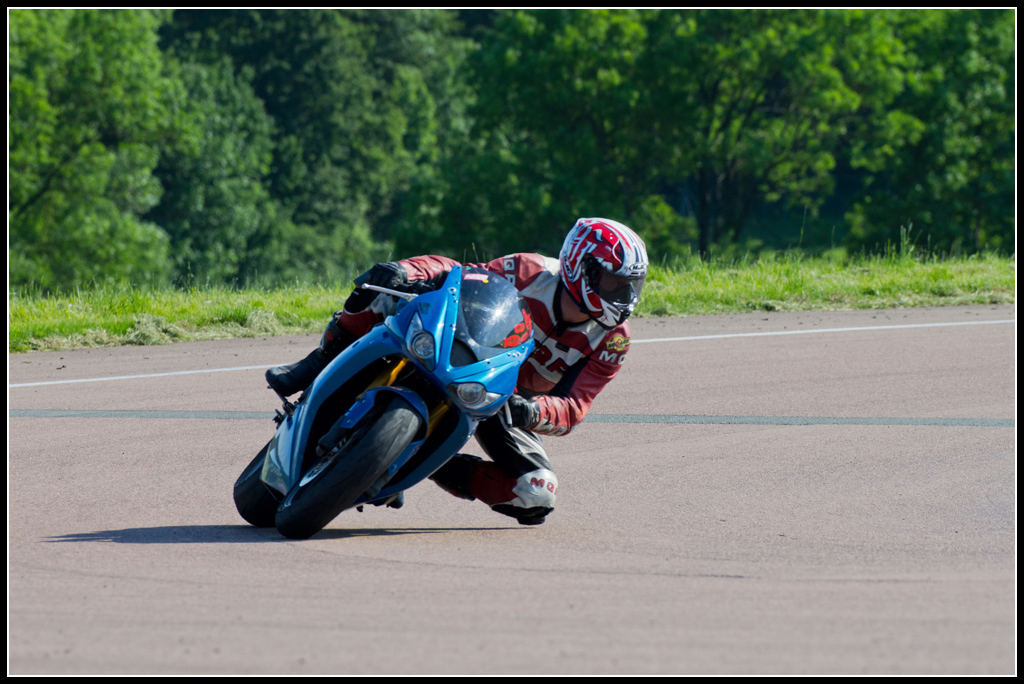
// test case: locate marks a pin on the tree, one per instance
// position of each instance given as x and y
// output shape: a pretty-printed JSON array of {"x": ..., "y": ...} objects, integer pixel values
[
  {"x": 89, "y": 108},
  {"x": 952, "y": 182},
  {"x": 557, "y": 123},
  {"x": 216, "y": 207},
  {"x": 712, "y": 113},
  {"x": 756, "y": 102},
  {"x": 354, "y": 102}
]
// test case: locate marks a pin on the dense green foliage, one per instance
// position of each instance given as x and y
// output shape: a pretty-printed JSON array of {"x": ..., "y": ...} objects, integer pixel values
[
  {"x": 206, "y": 147},
  {"x": 91, "y": 107},
  {"x": 953, "y": 174}
]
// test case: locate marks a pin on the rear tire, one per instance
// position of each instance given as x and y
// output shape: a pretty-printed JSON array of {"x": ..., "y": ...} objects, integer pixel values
[
  {"x": 336, "y": 482},
  {"x": 253, "y": 499}
]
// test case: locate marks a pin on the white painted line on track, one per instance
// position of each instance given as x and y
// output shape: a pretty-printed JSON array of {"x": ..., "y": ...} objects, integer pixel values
[
  {"x": 648, "y": 341},
  {"x": 134, "y": 377},
  {"x": 819, "y": 330}
]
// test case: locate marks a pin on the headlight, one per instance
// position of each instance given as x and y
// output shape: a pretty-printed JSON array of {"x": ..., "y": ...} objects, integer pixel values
[
  {"x": 473, "y": 395},
  {"x": 420, "y": 342},
  {"x": 422, "y": 346}
]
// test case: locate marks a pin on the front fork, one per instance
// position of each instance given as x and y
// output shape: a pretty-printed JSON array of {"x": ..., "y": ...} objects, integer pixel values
[{"x": 389, "y": 376}]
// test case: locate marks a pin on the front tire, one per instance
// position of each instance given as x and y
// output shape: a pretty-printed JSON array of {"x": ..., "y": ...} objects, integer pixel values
[
  {"x": 253, "y": 499},
  {"x": 339, "y": 479}
]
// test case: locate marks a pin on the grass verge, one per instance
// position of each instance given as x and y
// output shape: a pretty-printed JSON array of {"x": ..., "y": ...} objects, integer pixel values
[{"x": 107, "y": 316}]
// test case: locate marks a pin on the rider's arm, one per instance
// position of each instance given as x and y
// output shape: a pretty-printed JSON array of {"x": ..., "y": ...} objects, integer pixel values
[
  {"x": 358, "y": 315},
  {"x": 433, "y": 269},
  {"x": 565, "y": 406}
]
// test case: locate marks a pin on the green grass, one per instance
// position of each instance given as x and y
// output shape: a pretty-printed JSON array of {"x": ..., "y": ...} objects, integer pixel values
[
  {"x": 120, "y": 315},
  {"x": 788, "y": 282},
  {"x": 794, "y": 283}
]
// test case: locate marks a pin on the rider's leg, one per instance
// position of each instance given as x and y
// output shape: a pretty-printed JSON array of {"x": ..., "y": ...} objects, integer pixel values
[
  {"x": 518, "y": 482},
  {"x": 295, "y": 377},
  {"x": 346, "y": 326},
  {"x": 363, "y": 309}
]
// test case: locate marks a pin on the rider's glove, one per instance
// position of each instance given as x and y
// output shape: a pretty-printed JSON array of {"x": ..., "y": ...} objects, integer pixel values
[
  {"x": 525, "y": 412},
  {"x": 390, "y": 275}
]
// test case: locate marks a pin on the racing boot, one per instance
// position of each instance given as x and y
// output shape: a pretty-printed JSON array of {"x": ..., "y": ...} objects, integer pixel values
[{"x": 294, "y": 377}]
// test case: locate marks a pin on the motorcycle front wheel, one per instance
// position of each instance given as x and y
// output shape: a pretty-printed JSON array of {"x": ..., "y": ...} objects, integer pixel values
[
  {"x": 253, "y": 499},
  {"x": 336, "y": 481}
]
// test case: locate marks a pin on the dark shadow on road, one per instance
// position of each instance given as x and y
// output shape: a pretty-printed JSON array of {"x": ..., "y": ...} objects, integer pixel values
[{"x": 240, "y": 534}]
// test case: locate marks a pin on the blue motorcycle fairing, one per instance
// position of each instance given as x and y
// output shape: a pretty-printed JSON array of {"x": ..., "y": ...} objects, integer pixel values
[
  {"x": 498, "y": 373},
  {"x": 285, "y": 455},
  {"x": 438, "y": 313},
  {"x": 366, "y": 401}
]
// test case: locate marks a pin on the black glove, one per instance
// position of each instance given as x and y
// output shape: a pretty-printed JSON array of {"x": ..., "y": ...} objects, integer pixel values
[
  {"x": 390, "y": 275},
  {"x": 525, "y": 412}
]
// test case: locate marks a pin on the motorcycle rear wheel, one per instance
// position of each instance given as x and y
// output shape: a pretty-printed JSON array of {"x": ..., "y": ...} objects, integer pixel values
[
  {"x": 336, "y": 482},
  {"x": 253, "y": 499}
]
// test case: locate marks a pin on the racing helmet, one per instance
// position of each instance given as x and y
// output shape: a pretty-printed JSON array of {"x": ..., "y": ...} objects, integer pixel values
[{"x": 603, "y": 267}]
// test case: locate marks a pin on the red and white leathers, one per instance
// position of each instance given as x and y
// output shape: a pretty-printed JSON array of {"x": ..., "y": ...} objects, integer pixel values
[{"x": 570, "y": 364}]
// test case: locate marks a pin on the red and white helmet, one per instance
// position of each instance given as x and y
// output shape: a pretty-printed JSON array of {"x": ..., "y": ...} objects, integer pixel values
[{"x": 603, "y": 266}]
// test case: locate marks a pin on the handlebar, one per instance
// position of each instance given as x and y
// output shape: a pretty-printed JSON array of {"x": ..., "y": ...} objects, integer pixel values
[{"x": 407, "y": 296}]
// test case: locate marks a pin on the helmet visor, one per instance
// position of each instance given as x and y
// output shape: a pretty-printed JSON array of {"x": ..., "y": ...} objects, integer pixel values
[{"x": 619, "y": 290}]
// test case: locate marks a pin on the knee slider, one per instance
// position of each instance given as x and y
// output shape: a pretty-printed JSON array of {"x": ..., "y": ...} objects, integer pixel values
[
  {"x": 536, "y": 489},
  {"x": 535, "y": 494}
]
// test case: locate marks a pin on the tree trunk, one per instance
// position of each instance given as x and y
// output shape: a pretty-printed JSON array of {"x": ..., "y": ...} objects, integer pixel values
[{"x": 705, "y": 219}]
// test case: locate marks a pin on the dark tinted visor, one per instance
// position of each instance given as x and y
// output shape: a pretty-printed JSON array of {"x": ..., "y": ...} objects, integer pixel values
[{"x": 616, "y": 289}]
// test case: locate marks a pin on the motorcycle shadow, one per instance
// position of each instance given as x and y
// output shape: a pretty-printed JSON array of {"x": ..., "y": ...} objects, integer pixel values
[{"x": 240, "y": 534}]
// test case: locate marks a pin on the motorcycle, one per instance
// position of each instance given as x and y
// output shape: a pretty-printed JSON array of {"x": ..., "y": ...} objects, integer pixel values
[{"x": 393, "y": 407}]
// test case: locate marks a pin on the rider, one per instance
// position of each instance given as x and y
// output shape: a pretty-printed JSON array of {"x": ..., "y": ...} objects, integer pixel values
[{"x": 579, "y": 303}]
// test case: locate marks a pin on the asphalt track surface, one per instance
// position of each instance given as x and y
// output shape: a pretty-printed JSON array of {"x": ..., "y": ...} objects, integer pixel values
[{"x": 784, "y": 493}]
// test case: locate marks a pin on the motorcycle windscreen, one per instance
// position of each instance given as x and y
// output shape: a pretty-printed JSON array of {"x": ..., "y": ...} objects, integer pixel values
[{"x": 493, "y": 316}]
